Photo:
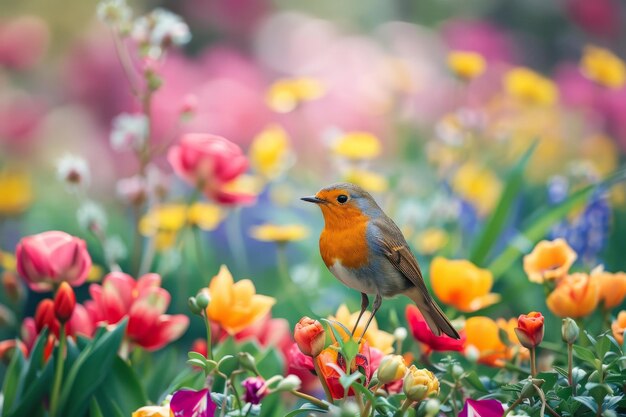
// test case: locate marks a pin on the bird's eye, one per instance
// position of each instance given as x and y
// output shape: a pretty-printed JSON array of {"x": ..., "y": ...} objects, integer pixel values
[{"x": 342, "y": 198}]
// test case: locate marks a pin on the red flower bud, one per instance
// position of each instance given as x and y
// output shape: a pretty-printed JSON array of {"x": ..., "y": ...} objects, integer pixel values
[
  {"x": 529, "y": 329},
  {"x": 44, "y": 317},
  {"x": 310, "y": 336},
  {"x": 64, "y": 302}
]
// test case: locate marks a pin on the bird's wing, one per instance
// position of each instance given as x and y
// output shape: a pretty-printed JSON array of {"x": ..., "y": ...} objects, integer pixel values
[{"x": 392, "y": 244}]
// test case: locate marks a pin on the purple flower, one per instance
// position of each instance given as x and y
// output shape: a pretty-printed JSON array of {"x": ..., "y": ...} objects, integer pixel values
[
  {"x": 255, "y": 389},
  {"x": 482, "y": 408},
  {"x": 190, "y": 403}
]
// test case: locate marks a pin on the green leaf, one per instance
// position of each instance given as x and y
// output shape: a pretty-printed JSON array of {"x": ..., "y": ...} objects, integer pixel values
[
  {"x": 91, "y": 368},
  {"x": 584, "y": 354},
  {"x": 603, "y": 345},
  {"x": 35, "y": 391},
  {"x": 347, "y": 380},
  {"x": 588, "y": 402},
  {"x": 36, "y": 359},
  {"x": 123, "y": 388},
  {"x": 13, "y": 380},
  {"x": 197, "y": 362},
  {"x": 350, "y": 349},
  {"x": 536, "y": 227},
  {"x": 187, "y": 378},
  {"x": 94, "y": 409},
  {"x": 493, "y": 227},
  {"x": 306, "y": 408},
  {"x": 549, "y": 379},
  {"x": 363, "y": 390},
  {"x": 473, "y": 379},
  {"x": 196, "y": 355}
]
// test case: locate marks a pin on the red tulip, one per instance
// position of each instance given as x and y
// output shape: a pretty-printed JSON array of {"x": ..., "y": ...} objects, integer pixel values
[
  {"x": 310, "y": 336},
  {"x": 47, "y": 259},
  {"x": 530, "y": 329},
  {"x": 421, "y": 332},
  {"x": 144, "y": 302},
  {"x": 210, "y": 162},
  {"x": 45, "y": 317},
  {"x": 64, "y": 302}
]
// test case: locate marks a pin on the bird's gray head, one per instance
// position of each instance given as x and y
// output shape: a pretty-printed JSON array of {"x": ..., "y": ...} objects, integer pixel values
[{"x": 344, "y": 197}]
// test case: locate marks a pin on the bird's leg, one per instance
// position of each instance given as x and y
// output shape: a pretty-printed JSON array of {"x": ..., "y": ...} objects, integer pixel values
[
  {"x": 377, "y": 302},
  {"x": 364, "y": 303}
]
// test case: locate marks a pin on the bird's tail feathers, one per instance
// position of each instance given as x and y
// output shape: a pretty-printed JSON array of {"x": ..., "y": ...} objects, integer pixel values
[{"x": 434, "y": 316}]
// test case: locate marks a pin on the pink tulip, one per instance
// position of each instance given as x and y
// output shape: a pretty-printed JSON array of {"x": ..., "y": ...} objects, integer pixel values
[
  {"x": 144, "y": 302},
  {"x": 47, "y": 259},
  {"x": 210, "y": 162}
]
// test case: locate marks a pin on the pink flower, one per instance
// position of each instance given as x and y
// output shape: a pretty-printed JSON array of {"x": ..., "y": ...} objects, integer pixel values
[
  {"x": 47, "y": 259},
  {"x": 483, "y": 408},
  {"x": 23, "y": 41},
  {"x": 479, "y": 36},
  {"x": 190, "y": 403},
  {"x": 255, "y": 389},
  {"x": 210, "y": 162},
  {"x": 598, "y": 17},
  {"x": 144, "y": 302}
]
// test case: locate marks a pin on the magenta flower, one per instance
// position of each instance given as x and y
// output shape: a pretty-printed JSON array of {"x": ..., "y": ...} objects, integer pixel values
[
  {"x": 144, "y": 302},
  {"x": 210, "y": 162},
  {"x": 49, "y": 258},
  {"x": 190, "y": 403},
  {"x": 255, "y": 389},
  {"x": 482, "y": 408}
]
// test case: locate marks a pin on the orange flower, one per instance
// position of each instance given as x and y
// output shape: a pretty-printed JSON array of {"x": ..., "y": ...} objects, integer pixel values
[
  {"x": 549, "y": 260},
  {"x": 530, "y": 329},
  {"x": 378, "y": 339},
  {"x": 483, "y": 335},
  {"x": 577, "y": 295},
  {"x": 329, "y": 359},
  {"x": 619, "y": 326},
  {"x": 462, "y": 284},
  {"x": 612, "y": 288},
  {"x": 310, "y": 336},
  {"x": 235, "y": 306}
]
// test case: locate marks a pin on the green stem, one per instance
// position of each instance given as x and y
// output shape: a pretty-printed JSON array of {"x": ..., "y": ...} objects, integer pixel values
[
  {"x": 570, "y": 364},
  {"x": 512, "y": 407},
  {"x": 405, "y": 406},
  {"x": 533, "y": 361},
  {"x": 320, "y": 376},
  {"x": 58, "y": 372},
  {"x": 235, "y": 240},
  {"x": 197, "y": 237},
  {"x": 207, "y": 323},
  {"x": 311, "y": 399}
]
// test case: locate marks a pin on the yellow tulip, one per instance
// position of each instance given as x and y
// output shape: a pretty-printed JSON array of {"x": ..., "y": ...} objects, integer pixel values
[
  {"x": 603, "y": 67},
  {"x": 376, "y": 338},
  {"x": 235, "y": 305},
  {"x": 357, "y": 146},
  {"x": 269, "y": 151},
  {"x": 285, "y": 95},
  {"x": 576, "y": 295},
  {"x": 466, "y": 65},
  {"x": 549, "y": 260},
  {"x": 279, "y": 234},
  {"x": 528, "y": 86},
  {"x": 16, "y": 191},
  {"x": 392, "y": 368},
  {"x": 420, "y": 384},
  {"x": 478, "y": 185},
  {"x": 462, "y": 284}
]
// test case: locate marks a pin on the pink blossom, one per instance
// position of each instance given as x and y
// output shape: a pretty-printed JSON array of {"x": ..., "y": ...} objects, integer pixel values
[
  {"x": 49, "y": 258},
  {"x": 479, "y": 36},
  {"x": 23, "y": 41},
  {"x": 598, "y": 17}
]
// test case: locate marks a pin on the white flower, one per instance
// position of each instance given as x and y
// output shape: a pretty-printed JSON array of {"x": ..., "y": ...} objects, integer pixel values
[
  {"x": 400, "y": 334},
  {"x": 115, "y": 249},
  {"x": 73, "y": 171},
  {"x": 129, "y": 132},
  {"x": 91, "y": 215},
  {"x": 160, "y": 29},
  {"x": 114, "y": 12}
]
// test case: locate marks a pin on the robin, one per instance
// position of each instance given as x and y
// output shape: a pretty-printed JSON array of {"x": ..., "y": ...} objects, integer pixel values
[{"x": 366, "y": 251}]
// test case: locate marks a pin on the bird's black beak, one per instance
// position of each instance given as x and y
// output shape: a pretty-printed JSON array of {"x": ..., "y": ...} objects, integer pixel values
[{"x": 313, "y": 199}]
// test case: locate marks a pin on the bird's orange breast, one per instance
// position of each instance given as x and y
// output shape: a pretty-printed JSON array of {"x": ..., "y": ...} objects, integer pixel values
[{"x": 344, "y": 238}]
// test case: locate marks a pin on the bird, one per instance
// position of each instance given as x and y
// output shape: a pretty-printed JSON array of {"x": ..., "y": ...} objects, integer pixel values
[{"x": 366, "y": 251}]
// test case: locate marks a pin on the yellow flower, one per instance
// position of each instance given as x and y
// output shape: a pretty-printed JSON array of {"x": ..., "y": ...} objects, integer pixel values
[
  {"x": 245, "y": 184},
  {"x": 601, "y": 151},
  {"x": 528, "y": 86},
  {"x": 462, "y": 284},
  {"x": 483, "y": 334},
  {"x": 431, "y": 240},
  {"x": 152, "y": 411},
  {"x": 95, "y": 273},
  {"x": 478, "y": 185},
  {"x": 357, "y": 146},
  {"x": 236, "y": 306},
  {"x": 269, "y": 151},
  {"x": 576, "y": 295},
  {"x": 165, "y": 221},
  {"x": 392, "y": 368},
  {"x": 612, "y": 288},
  {"x": 279, "y": 234},
  {"x": 376, "y": 338},
  {"x": 285, "y": 95},
  {"x": 8, "y": 261},
  {"x": 16, "y": 191},
  {"x": 369, "y": 180},
  {"x": 619, "y": 326},
  {"x": 466, "y": 65},
  {"x": 420, "y": 384},
  {"x": 549, "y": 260},
  {"x": 603, "y": 67}
]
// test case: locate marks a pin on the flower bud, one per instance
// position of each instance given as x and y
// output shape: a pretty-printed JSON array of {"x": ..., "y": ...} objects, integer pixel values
[
  {"x": 255, "y": 389},
  {"x": 400, "y": 334},
  {"x": 45, "y": 317},
  {"x": 432, "y": 407},
  {"x": 203, "y": 299},
  {"x": 530, "y": 329},
  {"x": 289, "y": 383},
  {"x": 64, "y": 302},
  {"x": 247, "y": 362},
  {"x": 391, "y": 369},
  {"x": 419, "y": 384},
  {"x": 349, "y": 409},
  {"x": 569, "y": 330},
  {"x": 193, "y": 305},
  {"x": 310, "y": 336}
]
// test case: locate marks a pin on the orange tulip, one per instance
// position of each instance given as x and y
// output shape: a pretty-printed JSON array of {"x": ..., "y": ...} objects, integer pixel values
[
  {"x": 577, "y": 295},
  {"x": 235, "y": 306},
  {"x": 549, "y": 260},
  {"x": 529, "y": 329},
  {"x": 612, "y": 288},
  {"x": 619, "y": 326},
  {"x": 378, "y": 339},
  {"x": 483, "y": 335},
  {"x": 310, "y": 336},
  {"x": 462, "y": 284}
]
